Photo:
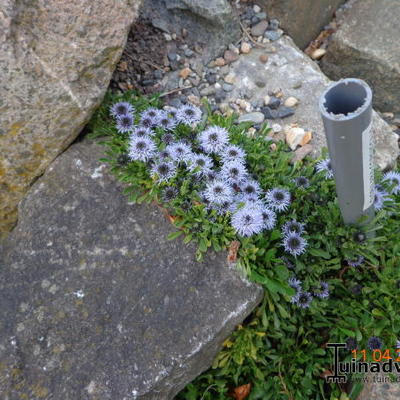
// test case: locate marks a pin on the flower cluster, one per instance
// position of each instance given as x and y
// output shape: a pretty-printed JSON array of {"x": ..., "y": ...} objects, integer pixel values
[{"x": 303, "y": 298}]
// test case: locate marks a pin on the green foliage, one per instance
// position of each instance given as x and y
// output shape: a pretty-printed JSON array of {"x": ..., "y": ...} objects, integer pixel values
[{"x": 280, "y": 347}]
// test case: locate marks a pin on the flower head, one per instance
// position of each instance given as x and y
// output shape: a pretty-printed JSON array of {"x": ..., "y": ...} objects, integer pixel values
[
  {"x": 180, "y": 151},
  {"x": 292, "y": 226},
  {"x": 398, "y": 344},
  {"x": 356, "y": 262},
  {"x": 322, "y": 291},
  {"x": 188, "y": 114},
  {"x": 218, "y": 192},
  {"x": 326, "y": 166},
  {"x": 393, "y": 178},
  {"x": 302, "y": 182},
  {"x": 213, "y": 139},
  {"x": 169, "y": 193},
  {"x": 247, "y": 221},
  {"x": 121, "y": 108},
  {"x": 125, "y": 123},
  {"x": 351, "y": 344},
  {"x": 164, "y": 155},
  {"x": 250, "y": 189},
  {"x": 233, "y": 171},
  {"x": 304, "y": 299},
  {"x": 232, "y": 153},
  {"x": 380, "y": 197},
  {"x": 374, "y": 343},
  {"x": 278, "y": 199},
  {"x": 166, "y": 122},
  {"x": 163, "y": 171},
  {"x": 294, "y": 283},
  {"x": 141, "y": 148},
  {"x": 269, "y": 218},
  {"x": 294, "y": 244},
  {"x": 201, "y": 163},
  {"x": 149, "y": 117},
  {"x": 167, "y": 138},
  {"x": 141, "y": 131}
]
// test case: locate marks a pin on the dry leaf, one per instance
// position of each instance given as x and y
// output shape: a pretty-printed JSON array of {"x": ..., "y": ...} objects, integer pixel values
[
  {"x": 233, "y": 249},
  {"x": 241, "y": 392}
]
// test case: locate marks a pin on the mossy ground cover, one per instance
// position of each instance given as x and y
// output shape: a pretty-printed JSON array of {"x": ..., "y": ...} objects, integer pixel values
[{"x": 280, "y": 349}]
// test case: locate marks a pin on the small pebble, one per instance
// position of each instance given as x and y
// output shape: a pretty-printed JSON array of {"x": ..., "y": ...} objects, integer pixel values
[
  {"x": 256, "y": 8},
  {"x": 185, "y": 72},
  {"x": 263, "y": 58},
  {"x": 227, "y": 87},
  {"x": 172, "y": 56},
  {"x": 269, "y": 113},
  {"x": 251, "y": 132},
  {"x": 220, "y": 95},
  {"x": 306, "y": 139},
  {"x": 273, "y": 35},
  {"x": 211, "y": 78},
  {"x": 273, "y": 24},
  {"x": 274, "y": 103},
  {"x": 388, "y": 115},
  {"x": 267, "y": 99},
  {"x": 317, "y": 54},
  {"x": 291, "y": 102},
  {"x": 167, "y": 37},
  {"x": 273, "y": 147},
  {"x": 189, "y": 53},
  {"x": 294, "y": 136},
  {"x": 173, "y": 36},
  {"x": 260, "y": 83},
  {"x": 301, "y": 152},
  {"x": 230, "y": 56},
  {"x": 207, "y": 91},
  {"x": 260, "y": 28},
  {"x": 220, "y": 62},
  {"x": 230, "y": 78},
  {"x": 284, "y": 112},
  {"x": 245, "y": 47},
  {"x": 194, "y": 99},
  {"x": 276, "y": 128},
  {"x": 255, "y": 117},
  {"x": 233, "y": 48},
  {"x": 158, "y": 74}
]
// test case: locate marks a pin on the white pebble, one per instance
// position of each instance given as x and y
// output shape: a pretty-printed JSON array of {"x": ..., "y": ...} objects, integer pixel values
[
  {"x": 291, "y": 102},
  {"x": 256, "y": 8}
]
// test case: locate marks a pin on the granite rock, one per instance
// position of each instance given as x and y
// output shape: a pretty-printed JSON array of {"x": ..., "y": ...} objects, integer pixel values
[
  {"x": 56, "y": 60},
  {"x": 96, "y": 303}
]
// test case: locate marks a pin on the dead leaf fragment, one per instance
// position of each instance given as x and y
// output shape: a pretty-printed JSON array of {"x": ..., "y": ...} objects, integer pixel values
[{"x": 233, "y": 249}]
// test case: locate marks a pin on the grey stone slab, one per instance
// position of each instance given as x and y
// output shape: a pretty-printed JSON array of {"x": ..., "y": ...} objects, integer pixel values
[
  {"x": 366, "y": 46},
  {"x": 96, "y": 303},
  {"x": 288, "y": 69},
  {"x": 302, "y": 19}
]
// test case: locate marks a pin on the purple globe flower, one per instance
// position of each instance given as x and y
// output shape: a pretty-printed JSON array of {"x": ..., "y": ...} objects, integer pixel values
[
  {"x": 125, "y": 123},
  {"x": 269, "y": 218},
  {"x": 142, "y": 148},
  {"x": 213, "y": 139},
  {"x": 121, "y": 108},
  {"x": 233, "y": 171},
  {"x": 163, "y": 171},
  {"x": 164, "y": 155},
  {"x": 250, "y": 189},
  {"x": 294, "y": 299},
  {"x": 232, "y": 153},
  {"x": 294, "y": 244},
  {"x": 247, "y": 221},
  {"x": 223, "y": 208},
  {"x": 302, "y": 182},
  {"x": 149, "y": 118},
  {"x": 278, "y": 199},
  {"x": 381, "y": 196},
  {"x": 374, "y": 343},
  {"x": 304, "y": 299},
  {"x": 294, "y": 283},
  {"x": 292, "y": 227},
  {"x": 218, "y": 192},
  {"x": 166, "y": 122},
  {"x": 188, "y": 114},
  {"x": 398, "y": 344},
  {"x": 351, "y": 344},
  {"x": 393, "y": 178},
  {"x": 169, "y": 194},
  {"x": 325, "y": 166},
  {"x": 167, "y": 138},
  {"x": 322, "y": 291},
  {"x": 200, "y": 163},
  {"x": 180, "y": 151},
  {"x": 356, "y": 262},
  {"x": 141, "y": 131}
]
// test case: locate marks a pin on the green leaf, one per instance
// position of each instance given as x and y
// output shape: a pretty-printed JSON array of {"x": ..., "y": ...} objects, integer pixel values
[{"x": 174, "y": 235}]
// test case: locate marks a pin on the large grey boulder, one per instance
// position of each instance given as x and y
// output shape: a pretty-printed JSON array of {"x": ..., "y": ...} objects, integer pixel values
[
  {"x": 211, "y": 24},
  {"x": 366, "y": 46},
  {"x": 96, "y": 303},
  {"x": 56, "y": 60},
  {"x": 288, "y": 69},
  {"x": 302, "y": 19}
]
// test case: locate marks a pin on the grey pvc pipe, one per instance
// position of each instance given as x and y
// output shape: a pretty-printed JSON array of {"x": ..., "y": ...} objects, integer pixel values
[{"x": 346, "y": 110}]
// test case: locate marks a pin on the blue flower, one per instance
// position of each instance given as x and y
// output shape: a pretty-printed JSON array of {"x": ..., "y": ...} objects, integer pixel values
[
  {"x": 125, "y": 123},
  {"x": 356, "y": 262},
  {"x": 247, "y": 221},
  {"x": 164, "y": 155},
  {"x": 141, "y": 131},
  {"x": 304, "y": 299},
  {"x": 121, "y": 108},
  {"x": 325, "y": 166},
  {"x": 200, "y": 162},
  {"x": 294, "y": 244},
  {"x": 269, "y": 218},
  {"x": 213, "y": 139},
  {"x": 250, "y": 189},
  {"x": 167, "y": 138},
  {"x": 381, "y": 196},
  {"x": 294, "y": 283},
  {"x": 188, "y": 114},
  {"x": 150, "y": 117},
  {"x": 302, "y": 182},
  {"x": 323, "y": 291},
  {"x": 163, "y": 171},
  {"x": 232, "y": 153},
  {"x": 233, "y": 171},
  {"x": 351, "y": 344},
  {"x": 169, "y": 193},
  {"x": 398, "y": 344},
  {"x": 166, "y": 122},
  {"x": 141, "y": 148},
  {"x": 223, "y": 208},
  {"x": 218, "y": 192},
  {"x": 292, "y": 226},
  {"x": 180, "y": 151},
  {"x": 393, "y": 178},
  {"x": 278, "y": 199},
  {"x": 375, "y": 343}
]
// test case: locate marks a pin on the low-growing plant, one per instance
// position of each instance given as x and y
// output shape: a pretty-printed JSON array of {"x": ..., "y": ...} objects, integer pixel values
[{"x": 323, "y": 281}]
